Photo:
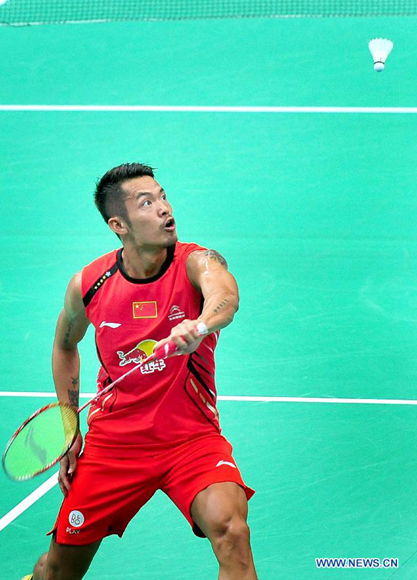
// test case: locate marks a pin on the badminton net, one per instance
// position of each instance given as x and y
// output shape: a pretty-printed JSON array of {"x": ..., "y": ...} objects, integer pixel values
[{"x": 26, "y": 12}]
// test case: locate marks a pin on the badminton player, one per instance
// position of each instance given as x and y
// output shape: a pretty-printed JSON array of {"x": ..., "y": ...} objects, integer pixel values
[{"x": 159, "y": 428}]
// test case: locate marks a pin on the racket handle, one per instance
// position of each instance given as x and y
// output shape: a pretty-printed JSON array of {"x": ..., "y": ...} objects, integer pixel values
[
  {"x": 170, "y": 348},
  {"x": 166, "y": 350}
]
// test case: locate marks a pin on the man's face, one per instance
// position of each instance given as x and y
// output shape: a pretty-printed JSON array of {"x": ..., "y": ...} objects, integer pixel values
[{"x": 149, "y": 213}]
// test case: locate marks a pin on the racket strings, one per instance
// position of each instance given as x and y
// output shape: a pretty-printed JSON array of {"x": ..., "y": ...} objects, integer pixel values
[
  {"x": 69, "y": 418},
  {"x": 41, "y": 442}
]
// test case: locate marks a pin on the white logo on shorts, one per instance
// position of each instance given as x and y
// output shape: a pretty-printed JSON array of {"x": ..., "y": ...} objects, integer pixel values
[
  {"x": 76, "y": 519},
  {"x": 221, "y": 462}
]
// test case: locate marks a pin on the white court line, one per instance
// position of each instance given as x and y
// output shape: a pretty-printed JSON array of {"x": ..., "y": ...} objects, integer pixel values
[
  {"x": 28, "y": 501},
  {"x": 320, "y": 400},
  {"x": 206, "y": 109},
  {"x": 255, "y": 399}
]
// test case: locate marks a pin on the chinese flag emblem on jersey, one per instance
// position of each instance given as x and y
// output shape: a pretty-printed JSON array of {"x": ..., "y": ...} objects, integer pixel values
[{"x": 145, "y": 309}]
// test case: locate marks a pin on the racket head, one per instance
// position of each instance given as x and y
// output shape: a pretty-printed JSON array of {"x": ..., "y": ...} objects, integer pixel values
[{"x": 40, "y": 441}]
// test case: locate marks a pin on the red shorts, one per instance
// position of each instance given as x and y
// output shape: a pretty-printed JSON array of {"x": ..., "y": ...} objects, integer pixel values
[{"x": 108, "y": 490}]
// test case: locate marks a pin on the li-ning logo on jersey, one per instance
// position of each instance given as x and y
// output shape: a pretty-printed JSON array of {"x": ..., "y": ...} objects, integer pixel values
[
  {"x": 175, "y": 313},
  {"x": 76, "y": 519},
  {"x": 110, "y": 324},
  {"x": 139, "y": 352}
]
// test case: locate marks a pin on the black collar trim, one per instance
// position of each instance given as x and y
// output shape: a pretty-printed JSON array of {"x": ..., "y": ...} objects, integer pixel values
[
  {"x": 98, "y": 284},
  {"x": 164, "y": 267}
]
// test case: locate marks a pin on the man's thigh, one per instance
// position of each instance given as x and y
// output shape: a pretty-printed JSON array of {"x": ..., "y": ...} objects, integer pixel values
[
  {"x": 198, "y": 465},
  {"x": 105, "y": 494}
]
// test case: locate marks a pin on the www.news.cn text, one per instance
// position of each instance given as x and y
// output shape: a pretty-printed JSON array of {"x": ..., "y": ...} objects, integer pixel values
[{"x": 357, "y": 563}]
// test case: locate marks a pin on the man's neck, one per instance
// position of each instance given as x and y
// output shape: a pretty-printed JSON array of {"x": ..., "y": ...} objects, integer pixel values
[{"x": 143, "y": 262}]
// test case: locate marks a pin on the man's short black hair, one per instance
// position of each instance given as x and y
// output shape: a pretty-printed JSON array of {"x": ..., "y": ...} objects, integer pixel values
[{"x": 109, "y": 195}]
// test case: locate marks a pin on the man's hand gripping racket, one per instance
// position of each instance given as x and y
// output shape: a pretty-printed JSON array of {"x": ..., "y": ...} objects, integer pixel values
[{"x": 49, "y": 433}]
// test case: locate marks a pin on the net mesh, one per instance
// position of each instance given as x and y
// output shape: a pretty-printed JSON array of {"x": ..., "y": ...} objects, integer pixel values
[
  {"x": 41, "y": 442},
  {"x": 24, "y": 12}
]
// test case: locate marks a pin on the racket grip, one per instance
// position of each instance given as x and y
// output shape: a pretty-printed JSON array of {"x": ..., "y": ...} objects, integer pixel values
[
  {"x": 170, "y": 348},
  {"x": 166, "y": 350}
]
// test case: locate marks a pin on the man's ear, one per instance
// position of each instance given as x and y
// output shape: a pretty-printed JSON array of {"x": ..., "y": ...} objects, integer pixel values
[{"x": 118, "y": 225}]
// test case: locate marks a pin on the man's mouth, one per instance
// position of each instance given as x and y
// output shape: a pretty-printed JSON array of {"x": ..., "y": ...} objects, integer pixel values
[{"x": 169, "y": 225}]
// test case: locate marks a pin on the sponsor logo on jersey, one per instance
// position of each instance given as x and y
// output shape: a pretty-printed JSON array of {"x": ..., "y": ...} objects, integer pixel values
[
  {"x": 76, "y": 519},
  {"x": 110, "y": 324},
  {"x": 146, "y": 309},
  {"x": 141, "y": 351},
  {"x": 175, "y": 313},
  {"x": 226, "y": 463}
]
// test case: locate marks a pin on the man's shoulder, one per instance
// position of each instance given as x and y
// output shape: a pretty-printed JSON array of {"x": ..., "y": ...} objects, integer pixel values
[
  {"x": 97, "y": 271},
  {"x": 184, "y": 249},
  {"x": 106, "y": 260}
]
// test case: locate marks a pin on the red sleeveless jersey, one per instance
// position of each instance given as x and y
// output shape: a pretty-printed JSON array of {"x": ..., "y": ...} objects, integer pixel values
[{"x": 165, "y": 401}]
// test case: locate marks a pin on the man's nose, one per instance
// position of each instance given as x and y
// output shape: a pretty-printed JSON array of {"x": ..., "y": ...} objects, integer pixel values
[{"x": 163, "y": 208}]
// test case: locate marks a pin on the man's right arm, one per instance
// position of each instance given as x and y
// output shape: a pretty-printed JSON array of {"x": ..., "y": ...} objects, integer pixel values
[{"x": 71, "y": 327}]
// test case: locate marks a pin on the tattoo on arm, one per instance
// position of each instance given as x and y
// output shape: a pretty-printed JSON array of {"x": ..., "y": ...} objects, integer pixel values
[
  {"x": 67, "y": 334},
  {"x": 212, "y": 254},
  {"x": 220, "y": 306},
  {"x": 73, "y": 397}
]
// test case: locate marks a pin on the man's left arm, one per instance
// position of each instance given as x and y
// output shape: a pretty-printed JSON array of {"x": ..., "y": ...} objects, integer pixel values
[{"x": 207, "y": 271}]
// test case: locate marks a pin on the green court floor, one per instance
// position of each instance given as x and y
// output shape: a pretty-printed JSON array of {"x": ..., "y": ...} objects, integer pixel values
[{"x": 316, "y": 215}]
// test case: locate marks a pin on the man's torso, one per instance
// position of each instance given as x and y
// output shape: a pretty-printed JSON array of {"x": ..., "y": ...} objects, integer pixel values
[{"x": 163, "y": 402}]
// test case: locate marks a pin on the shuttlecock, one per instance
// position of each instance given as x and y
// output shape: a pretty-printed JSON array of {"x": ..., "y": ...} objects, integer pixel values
[{"x": 380, "y": 49}]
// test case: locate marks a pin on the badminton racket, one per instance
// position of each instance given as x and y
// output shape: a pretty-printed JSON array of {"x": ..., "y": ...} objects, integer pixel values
[{"x": 47, "y": 435}]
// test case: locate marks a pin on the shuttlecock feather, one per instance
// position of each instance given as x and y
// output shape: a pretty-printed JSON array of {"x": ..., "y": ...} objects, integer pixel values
[{"x": 380, "y": 49}]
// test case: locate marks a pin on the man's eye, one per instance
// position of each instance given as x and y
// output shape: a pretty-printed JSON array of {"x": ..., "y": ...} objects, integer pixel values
[{"x": 146, "y": 202}]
